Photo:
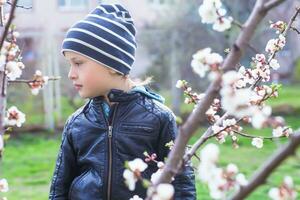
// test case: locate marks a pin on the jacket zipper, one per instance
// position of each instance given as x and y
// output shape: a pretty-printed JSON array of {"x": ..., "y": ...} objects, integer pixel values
[{"x": 110, "y": 132}]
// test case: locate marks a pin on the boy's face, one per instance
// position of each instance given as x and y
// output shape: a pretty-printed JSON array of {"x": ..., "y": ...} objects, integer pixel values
[{"x": 89, "y": 78}]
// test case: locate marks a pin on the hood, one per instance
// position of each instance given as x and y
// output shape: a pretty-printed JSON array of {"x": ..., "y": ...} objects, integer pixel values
[{"x": 147, "y": 92}]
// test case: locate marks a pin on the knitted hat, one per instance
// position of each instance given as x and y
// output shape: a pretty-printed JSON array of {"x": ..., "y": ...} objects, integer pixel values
[{"x": 106, "y": 35}]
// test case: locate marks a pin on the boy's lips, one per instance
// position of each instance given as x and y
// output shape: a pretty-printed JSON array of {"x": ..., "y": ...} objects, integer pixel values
[{"x": 77, "y": 86}]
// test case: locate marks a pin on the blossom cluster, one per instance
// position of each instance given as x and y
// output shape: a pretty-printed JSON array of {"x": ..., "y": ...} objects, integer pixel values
[
  {"x": 220, "y": 181},
  {"x": 3, "y": 187},
  {"x": 204, "y": 60},
  {"x": 212, "y": 12},
  {"x": 38, "y": 82},
  {"x": 133, "y": 173},
  {"x": 285, "y": 191}
]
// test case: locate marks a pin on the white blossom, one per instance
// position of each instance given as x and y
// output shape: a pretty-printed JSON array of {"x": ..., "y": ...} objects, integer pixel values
[
  {"x": 1, "y": 143},
  {"x": 210, "y": 153},
  {"x": 279, "y": 25},
  {"x": 274, "y": 64},
  {"x": 16, "y": 34},
  {"x": 230, "y": 78},
  {"x": 206, "y": 171},
  {"x": 155, "y": 176},
  {"x": 275, "y": 44},
  {"x": 130, "y": 179},
  {"x": 39, "y": 82},
  {"x": 211, "y": 12},
  {"x": 237, "y": 103},
  {"x": 3, "y": 185},
  {"x": 204, "y": 60},
  {"x": 259, "y": 117},
  {"x": 257, "y": 142},
  {"x": 208, "y": 13},
  {"x": 280, "y": 131},
  {"x": 213, "y": 59},
  {"x": 241, "y": 179},
  {"x": 135, "y": 197},
  {"x": 222, "y": 24},
  {"x": 14, "y": 117},
  {"x": 179, "y": 84},
  {"x": 135, "y": 166},
  {"x": 216, "y": 128},
  {"x": 232, "y": 168},
  {"x": 13, "y": 70},
  {"x": 164, "y": 191},
  {"x": 198, "y": 63},
  {"x": 229, "y": 122}
]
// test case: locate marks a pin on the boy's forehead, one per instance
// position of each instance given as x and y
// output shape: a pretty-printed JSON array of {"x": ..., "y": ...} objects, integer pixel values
[{"x": 69, "y": 55}]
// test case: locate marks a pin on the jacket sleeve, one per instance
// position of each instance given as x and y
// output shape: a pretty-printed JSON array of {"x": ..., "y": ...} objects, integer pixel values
[
  {"x": 184, "y": 182},
  {"x": 64, "y": 172}
]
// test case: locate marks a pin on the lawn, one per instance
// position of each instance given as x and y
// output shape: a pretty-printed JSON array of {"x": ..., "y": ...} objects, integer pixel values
[{"x": 29, "y": 159}]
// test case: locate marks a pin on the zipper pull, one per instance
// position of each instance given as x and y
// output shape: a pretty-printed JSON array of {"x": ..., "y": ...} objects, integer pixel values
[{"x": 109, "y": 131}]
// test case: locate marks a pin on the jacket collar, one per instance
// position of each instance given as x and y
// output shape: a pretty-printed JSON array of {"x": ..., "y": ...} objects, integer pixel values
[{"x": 117, "y": 95}]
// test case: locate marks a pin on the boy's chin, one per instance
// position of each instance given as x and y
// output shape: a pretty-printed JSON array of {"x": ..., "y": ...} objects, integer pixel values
[
  {"x": 87, "y": 96},
  {"x": 83, "y": 95}
]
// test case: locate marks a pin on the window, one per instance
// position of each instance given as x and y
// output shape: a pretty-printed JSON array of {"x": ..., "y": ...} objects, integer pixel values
[
  {"x": 25, "y": 3},
  {"x": 158, "y": 1},
  {"x": 72, "y": 4},
  {"x": 28, "y": 4}
]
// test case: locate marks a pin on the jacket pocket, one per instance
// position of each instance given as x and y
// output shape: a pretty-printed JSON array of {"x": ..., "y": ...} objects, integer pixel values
[
  {"x": 88, "y": 185},
  {"x": 136, "y": 129}
]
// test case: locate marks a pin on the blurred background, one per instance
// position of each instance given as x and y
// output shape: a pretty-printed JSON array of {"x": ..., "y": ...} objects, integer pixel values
[{"x": 169, "y": 32}]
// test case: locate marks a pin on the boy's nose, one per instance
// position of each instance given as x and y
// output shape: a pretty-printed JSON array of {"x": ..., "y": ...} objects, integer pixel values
[{"x": 72, "y": 74}]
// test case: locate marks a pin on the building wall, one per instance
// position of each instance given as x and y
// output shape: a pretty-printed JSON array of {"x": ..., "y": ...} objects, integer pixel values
[{"x": 46, "y": 24}]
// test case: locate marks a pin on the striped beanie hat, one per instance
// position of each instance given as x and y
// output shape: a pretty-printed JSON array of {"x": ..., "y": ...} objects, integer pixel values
[{"x": 106, "y": 35}]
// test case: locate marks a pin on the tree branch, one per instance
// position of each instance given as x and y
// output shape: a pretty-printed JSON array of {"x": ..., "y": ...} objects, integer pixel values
[
  {"x": 187, "y": 130},
  {"x": 295, "y": 29},
  {"x": 19, "y": 6},
  {"x": 256, "y": 136},
  {"x": 32, "y": 81},
  {"x": 268, "y": 167},
  {"x": 11, "y": 16},
  {"x": 272, "y": 3}
]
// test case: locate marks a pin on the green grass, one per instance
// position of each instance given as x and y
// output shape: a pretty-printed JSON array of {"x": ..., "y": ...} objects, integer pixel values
[
  {"x": 28, "y": 164},
  {"x": 288, "y": 95}
]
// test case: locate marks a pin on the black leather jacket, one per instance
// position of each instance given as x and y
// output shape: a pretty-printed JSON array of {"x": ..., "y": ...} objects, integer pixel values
[{"x": 90, "y": 162}]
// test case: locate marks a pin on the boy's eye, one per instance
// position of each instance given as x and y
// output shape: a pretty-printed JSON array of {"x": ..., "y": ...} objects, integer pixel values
[{"x": 77, "y": 63}]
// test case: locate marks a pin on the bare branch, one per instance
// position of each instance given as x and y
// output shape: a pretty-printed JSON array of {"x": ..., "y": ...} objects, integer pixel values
[
  {"x": 33, "y": 81},
  {"x": 1, "y": 15},
  {"x": 272, "y": 3},
  {"x": 20, "y": 6},
  {"x": 256, "y": 136},
  {"x": 7, "y": 25},
  {"x": 295, "y": 29},
  {"x": 268, "y": 167},
  {"x": 238, "y": 24}
]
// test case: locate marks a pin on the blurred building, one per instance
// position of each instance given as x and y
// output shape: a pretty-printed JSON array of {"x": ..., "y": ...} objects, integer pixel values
[{"x": 43, "y": 26}]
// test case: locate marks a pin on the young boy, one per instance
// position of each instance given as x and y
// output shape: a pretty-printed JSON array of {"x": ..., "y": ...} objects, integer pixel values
[{"x": 121, "y": 120}]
